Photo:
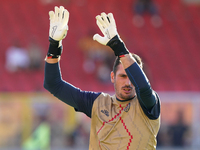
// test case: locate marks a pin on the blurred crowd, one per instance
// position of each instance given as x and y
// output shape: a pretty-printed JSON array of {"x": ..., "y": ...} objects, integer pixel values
[
  {"x": 19, "y": 58},
  {"x": 39, "y": 125}
]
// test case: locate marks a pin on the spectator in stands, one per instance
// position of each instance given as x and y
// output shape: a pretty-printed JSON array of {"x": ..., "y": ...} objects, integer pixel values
[
  {"x": 178, "y": 131},
  {"x": 141, "y": 7},
  {"x": 40, "y": 137},
  {"x": 98, "y": 58},
  {"x": 36, "y": 55},
  {"x": 81, "y": 136},
  {"x": 17, "y": 58}
]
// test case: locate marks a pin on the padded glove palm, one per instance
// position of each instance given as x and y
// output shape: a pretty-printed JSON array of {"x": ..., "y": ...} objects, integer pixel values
[
  {"x": 106, "y": 24},
  {"x": 58, "y": 23}
]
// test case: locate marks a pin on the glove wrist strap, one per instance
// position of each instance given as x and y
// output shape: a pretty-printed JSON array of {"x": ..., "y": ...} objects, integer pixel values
[
  {"x": 54, "y": 49},
  {"x": 117, "y": 46}
]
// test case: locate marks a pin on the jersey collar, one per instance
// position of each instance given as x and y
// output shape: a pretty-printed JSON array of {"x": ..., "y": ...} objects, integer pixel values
[{"x": 125, "y": 100}]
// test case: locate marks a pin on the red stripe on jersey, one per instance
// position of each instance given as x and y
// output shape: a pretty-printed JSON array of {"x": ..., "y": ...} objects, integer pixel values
[
  {"x": 122, "y": 121},
  {"x": 110, "y": 121},
  {"x": 129, "y": 133}
]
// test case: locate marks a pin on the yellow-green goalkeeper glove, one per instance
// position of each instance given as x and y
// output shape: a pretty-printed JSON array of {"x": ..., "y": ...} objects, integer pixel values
[
  {"x": 107, "y": 25},
  {"x": 57, "y": 31}
]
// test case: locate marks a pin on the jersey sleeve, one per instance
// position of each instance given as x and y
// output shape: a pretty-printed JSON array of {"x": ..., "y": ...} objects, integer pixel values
[
  {"x": 81, "y": 100},
  {"x": 148, "y": 98}
]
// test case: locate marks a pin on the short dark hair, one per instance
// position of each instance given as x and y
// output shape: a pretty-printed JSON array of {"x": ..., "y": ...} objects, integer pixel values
[{"x": 117, "y": 62}]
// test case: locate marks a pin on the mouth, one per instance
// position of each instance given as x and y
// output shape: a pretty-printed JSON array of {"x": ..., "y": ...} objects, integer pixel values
[{"x": 127, "y": 90}]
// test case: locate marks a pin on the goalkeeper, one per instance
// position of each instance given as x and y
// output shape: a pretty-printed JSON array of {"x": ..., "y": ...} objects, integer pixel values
[{"x": 130, "y": 119}]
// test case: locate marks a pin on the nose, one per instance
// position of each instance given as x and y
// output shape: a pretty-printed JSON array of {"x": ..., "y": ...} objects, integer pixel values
[{"x": 128, "y": 82}]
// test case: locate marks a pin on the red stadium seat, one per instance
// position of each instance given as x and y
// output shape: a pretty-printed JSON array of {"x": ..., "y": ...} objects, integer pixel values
[{"x": 170, "y": 51}]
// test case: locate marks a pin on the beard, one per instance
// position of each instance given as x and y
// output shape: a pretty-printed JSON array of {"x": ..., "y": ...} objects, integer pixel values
[{"x": 123, "y": 96}]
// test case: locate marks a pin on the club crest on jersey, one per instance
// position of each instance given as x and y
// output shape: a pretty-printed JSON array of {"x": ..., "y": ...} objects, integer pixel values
[
  {"x": 105, "y": 112},
  {"x": 126, "y": 109}
]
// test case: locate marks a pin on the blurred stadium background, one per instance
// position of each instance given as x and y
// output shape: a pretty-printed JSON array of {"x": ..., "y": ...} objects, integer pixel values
[{"x": 32, "y": 119}]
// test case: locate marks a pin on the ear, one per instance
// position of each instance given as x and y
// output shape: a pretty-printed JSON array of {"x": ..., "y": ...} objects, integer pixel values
[{"x": 112, "y": 76}]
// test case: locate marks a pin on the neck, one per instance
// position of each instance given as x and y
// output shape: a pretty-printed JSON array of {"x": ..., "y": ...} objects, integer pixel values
[{"x": 125, "y": 99}]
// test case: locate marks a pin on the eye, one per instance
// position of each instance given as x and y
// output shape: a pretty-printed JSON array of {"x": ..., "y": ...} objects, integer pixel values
[{"x": 123, "y": 75}]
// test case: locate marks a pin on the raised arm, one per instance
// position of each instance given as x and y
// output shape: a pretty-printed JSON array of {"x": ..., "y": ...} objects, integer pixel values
[
  {"x": 147, "y": 97},
  {"x": 53, "y": 82}
]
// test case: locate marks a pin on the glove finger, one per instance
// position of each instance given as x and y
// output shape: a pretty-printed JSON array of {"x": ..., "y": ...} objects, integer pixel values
[
  {"x": 112, "y": 20},
  {"x": 95, "y": 37},
  {"x": 101, "y": 21},
  {"x": 56, "y": 13},
  {"x": 99, "y": 39},
  {"x": 51, "y": 16},
  {"x": 66, "y": 17},
  {"x": 105, "y": 19},
  {"x": 101, "y": 27},
  {"x": 61, "y": 10}
]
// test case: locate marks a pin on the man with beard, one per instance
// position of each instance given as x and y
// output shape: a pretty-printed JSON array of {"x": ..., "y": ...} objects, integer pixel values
[{"x": 130, "y": 119}]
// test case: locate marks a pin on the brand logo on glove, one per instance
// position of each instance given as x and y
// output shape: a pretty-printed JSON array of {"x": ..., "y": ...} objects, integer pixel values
[
  {"x": 107, "y": 33},
  {"x": 53, "y": 31}
]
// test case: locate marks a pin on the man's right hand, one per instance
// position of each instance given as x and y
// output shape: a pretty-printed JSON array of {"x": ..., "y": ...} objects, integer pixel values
[
  {"x": 58, "y": 23},
  {"x": 57, "y": 31}
]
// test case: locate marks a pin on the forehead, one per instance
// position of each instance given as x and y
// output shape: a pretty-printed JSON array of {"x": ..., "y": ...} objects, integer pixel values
[{"x": 120, "y": 69}]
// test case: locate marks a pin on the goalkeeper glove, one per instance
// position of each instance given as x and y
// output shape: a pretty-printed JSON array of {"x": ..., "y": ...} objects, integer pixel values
[
  {"x": 57, "y": 31},
  {"x": 107, "y": 25}
]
